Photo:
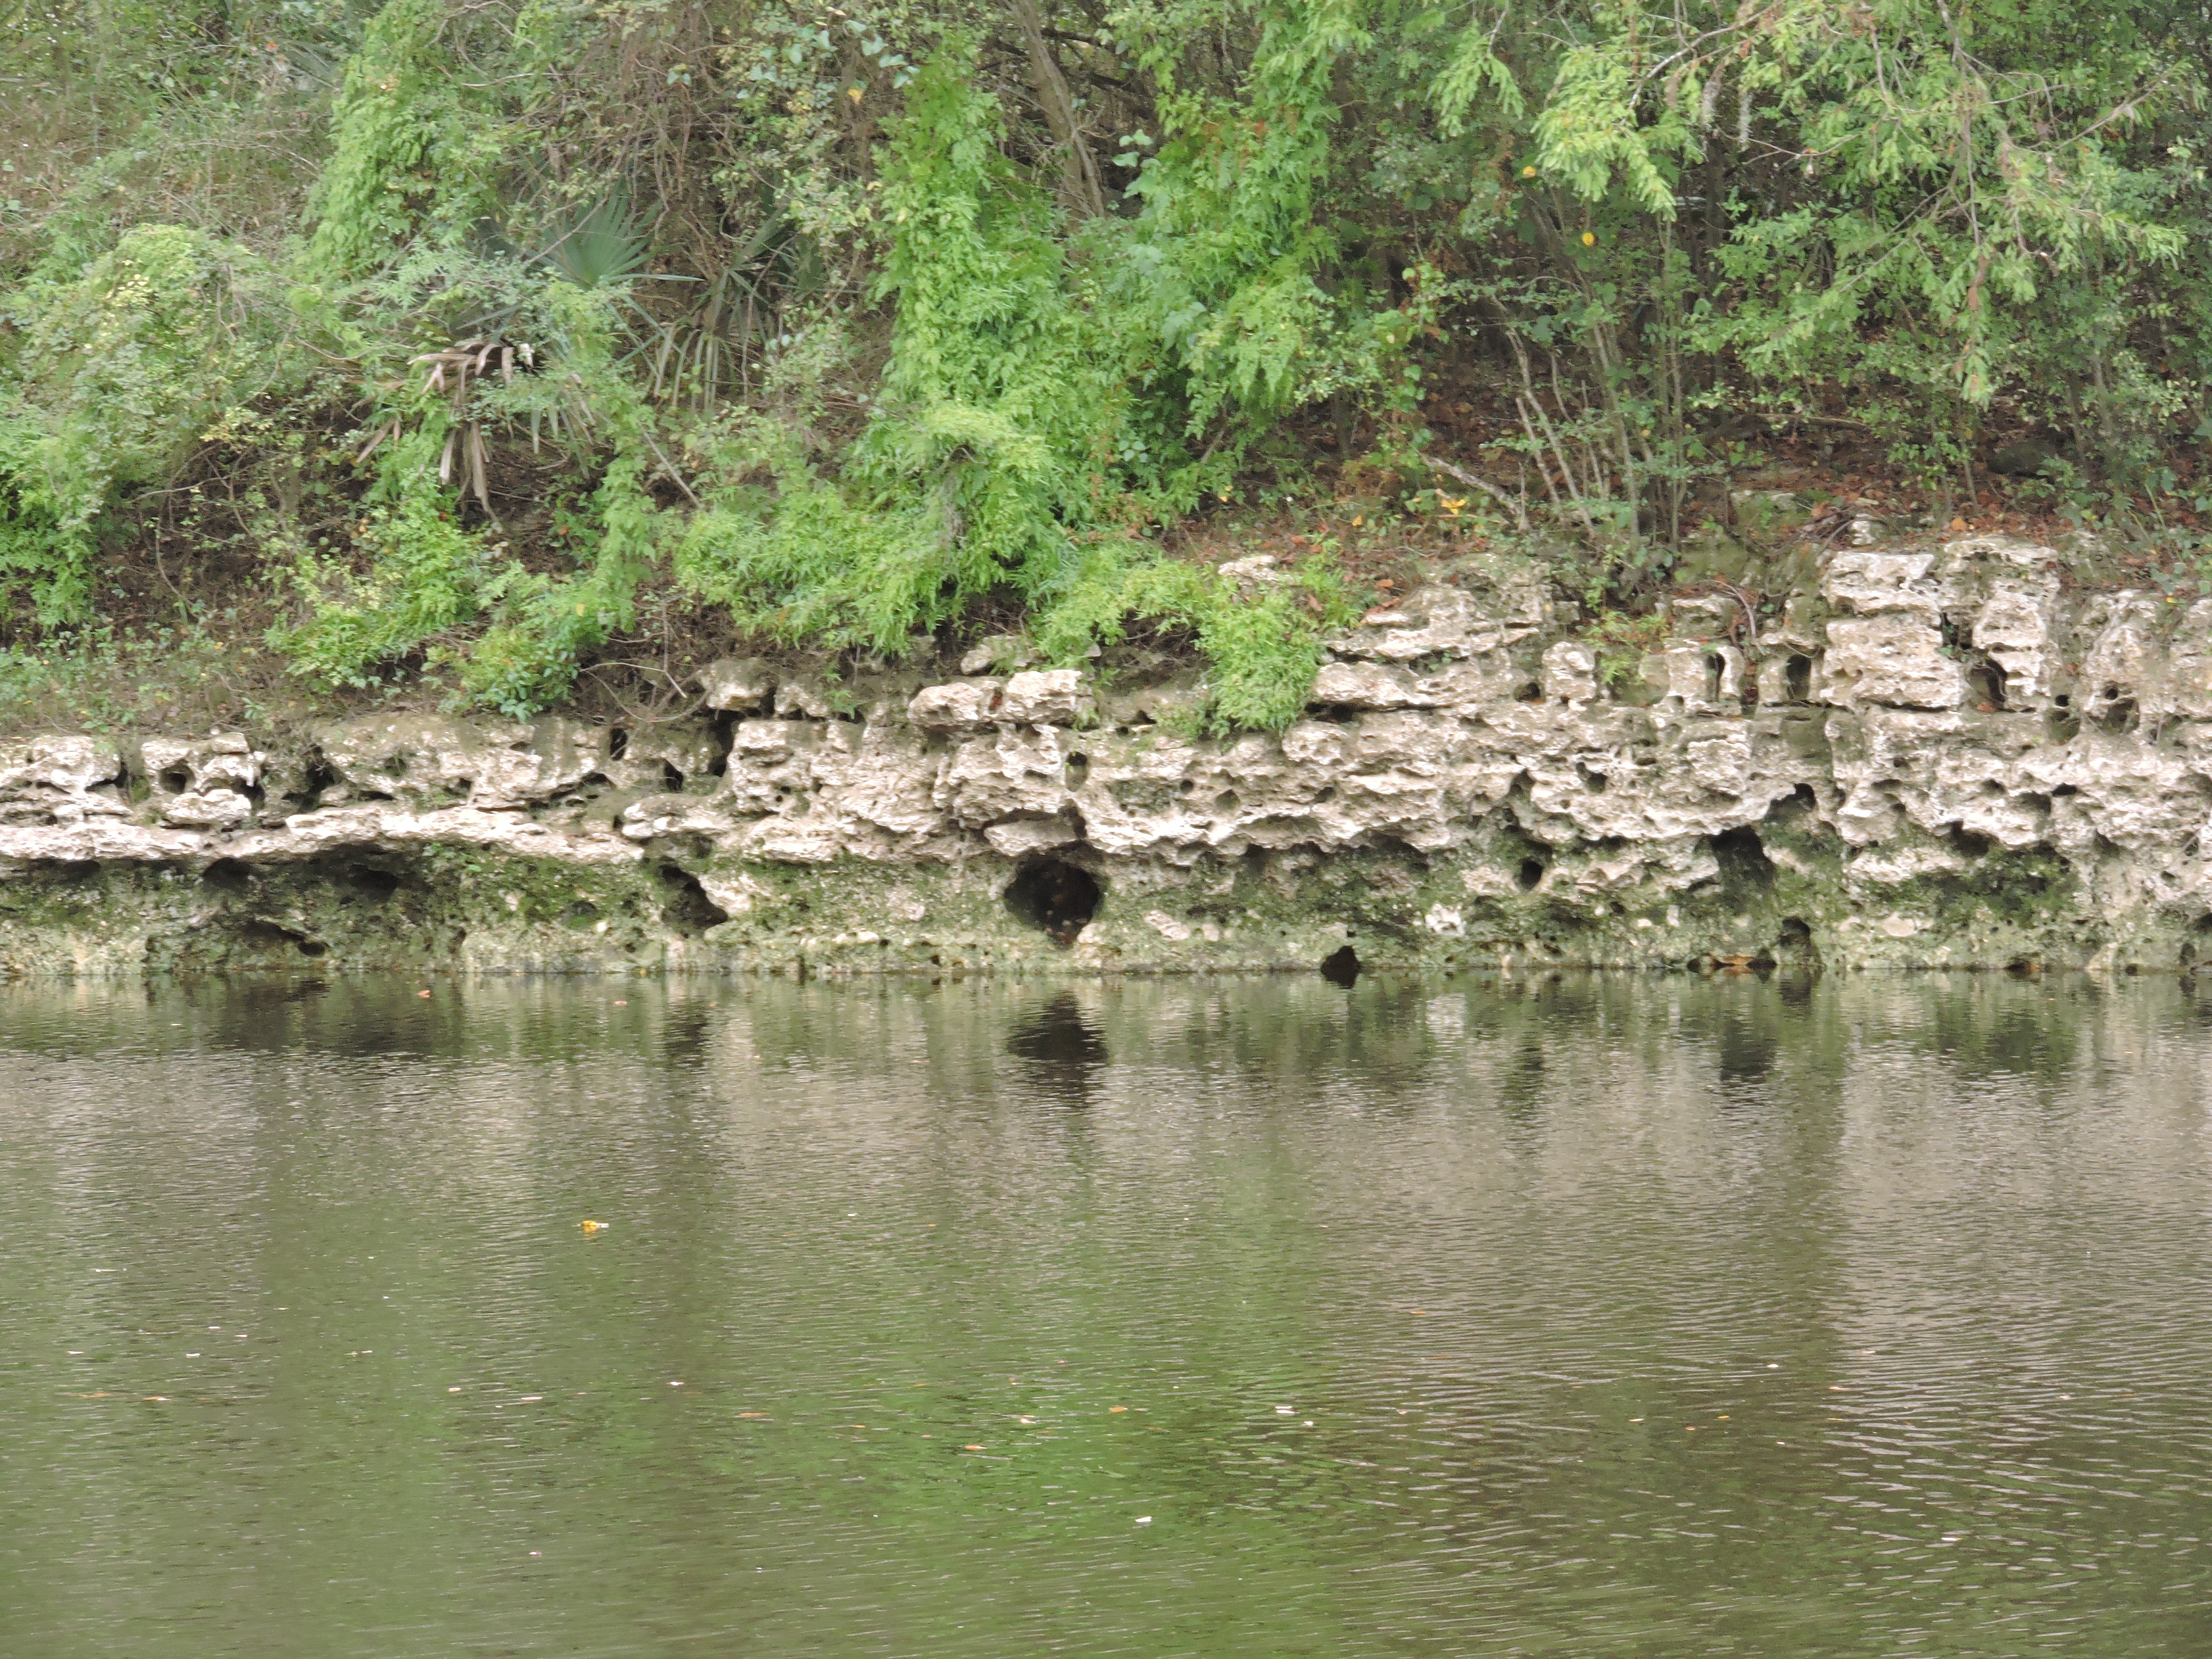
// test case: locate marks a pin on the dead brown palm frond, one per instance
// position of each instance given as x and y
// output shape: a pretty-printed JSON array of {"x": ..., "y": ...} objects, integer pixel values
[{"x": 449, "y": 371}]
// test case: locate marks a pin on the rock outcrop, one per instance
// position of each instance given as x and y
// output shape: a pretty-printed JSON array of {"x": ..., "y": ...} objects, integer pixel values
[{"x": 1934, "y": 757}]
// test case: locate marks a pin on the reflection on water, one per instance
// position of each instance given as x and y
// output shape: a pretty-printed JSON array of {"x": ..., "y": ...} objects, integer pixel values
[
  {"x": 1062, "y": 1047},
  {"x": 1596, "y": 1316}
]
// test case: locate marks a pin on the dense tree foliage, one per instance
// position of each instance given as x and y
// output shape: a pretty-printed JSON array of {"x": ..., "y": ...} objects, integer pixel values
[{"x": 467, "y": 327}]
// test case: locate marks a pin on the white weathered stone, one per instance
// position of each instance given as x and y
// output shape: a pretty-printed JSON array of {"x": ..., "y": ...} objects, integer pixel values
[
  {"x": 1570, "y": 672},
  {"x": 1045, "y": 696},
  {"x": 1018, "y": 837},
  {"x": 956, "y": 706},
  {"x": 1880, "y": 584},
  {"x": 1895, "y": 659},
  {"x": 737, "y": 685}
]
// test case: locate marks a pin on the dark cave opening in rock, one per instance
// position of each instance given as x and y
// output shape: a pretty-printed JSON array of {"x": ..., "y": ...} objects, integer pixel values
[
  {"x": 689, "y": 910},
  {"x": 1340, "y": 966},
  {"x": 1742, "y": 858},
  {"x": 227, "y": 876},
  {"x": 1055, "y": 896}
]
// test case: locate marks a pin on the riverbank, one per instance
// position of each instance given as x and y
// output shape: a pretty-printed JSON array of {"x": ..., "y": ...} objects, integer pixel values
[{"x": 1940, "y": 756}]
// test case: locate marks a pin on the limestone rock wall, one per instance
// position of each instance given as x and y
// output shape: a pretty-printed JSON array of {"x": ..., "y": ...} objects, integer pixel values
[{"x": 1931, "y": 756}]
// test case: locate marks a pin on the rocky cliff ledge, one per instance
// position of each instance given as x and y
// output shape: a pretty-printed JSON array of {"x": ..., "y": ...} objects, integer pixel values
[{"x": 1933, "y": 758}]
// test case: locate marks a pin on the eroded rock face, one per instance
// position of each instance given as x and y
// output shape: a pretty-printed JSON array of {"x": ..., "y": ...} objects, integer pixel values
[{"x": 1932, "y": 756}]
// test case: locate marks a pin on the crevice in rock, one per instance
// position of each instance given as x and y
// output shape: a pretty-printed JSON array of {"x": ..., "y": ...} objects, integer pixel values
[
  {"x": 1797, "y": 678},
  {"x": 2118, "y": 714},
  {"x": 726, "y": 740},
  {"x": 1054, "y": 897},
  {"x": 1793, "y": 809},
  {"x": 1986, "y": 681},
  {"x": 260, "y": 933},
  {"x": 1530, "y": 872},
  {"x": 314, "y": 778}
]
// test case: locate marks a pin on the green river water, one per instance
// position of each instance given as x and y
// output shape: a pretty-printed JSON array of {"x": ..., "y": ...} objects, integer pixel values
[{"x": 1593, "y": 1316}]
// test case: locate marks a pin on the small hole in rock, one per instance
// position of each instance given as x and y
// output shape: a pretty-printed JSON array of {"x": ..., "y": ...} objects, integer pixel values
[
  {"x": 176, "y": 780},
  {"x": 1340, "y": 966},
  {"x": 1054, "y": 897},
  {"x": 1797, "y": 680},
  {"x": 1530, "y": 872}
]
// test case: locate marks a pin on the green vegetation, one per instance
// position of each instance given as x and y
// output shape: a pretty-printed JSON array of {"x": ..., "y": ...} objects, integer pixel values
[{"x": 475, "y": 348}]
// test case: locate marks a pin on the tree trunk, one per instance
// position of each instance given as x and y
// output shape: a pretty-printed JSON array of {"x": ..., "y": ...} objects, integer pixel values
[{"x": 1087, "y": 190}]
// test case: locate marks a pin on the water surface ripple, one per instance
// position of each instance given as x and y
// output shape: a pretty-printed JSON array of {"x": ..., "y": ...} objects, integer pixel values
[{"x": 1590, "y": 1316}]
